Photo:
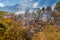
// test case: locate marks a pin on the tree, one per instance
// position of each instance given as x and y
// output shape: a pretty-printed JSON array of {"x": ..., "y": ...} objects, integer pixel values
[
  {"x": 57, "y": 7},
  {"x": 43, "y": 9},
  {"x": 39, "y": 11},
  {"x": 48, "y": 9}
]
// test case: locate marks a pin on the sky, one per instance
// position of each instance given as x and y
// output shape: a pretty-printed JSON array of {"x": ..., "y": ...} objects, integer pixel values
[{"x": 30, "y": 3}]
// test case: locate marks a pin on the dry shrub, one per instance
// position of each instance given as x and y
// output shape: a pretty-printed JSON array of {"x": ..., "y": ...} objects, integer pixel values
[{"x": 15, "y": 33}]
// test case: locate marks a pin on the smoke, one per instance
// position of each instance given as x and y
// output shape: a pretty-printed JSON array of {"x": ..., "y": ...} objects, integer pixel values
[{"x": 53, "y": 6}]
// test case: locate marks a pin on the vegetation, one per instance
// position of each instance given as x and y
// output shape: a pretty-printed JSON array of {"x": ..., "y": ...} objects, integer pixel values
[
  {"x": 12, "y": 29},
  {"x": 50, "y": 33}
]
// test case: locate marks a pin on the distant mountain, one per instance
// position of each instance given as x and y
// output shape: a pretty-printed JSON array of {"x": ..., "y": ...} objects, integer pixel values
[
  {"x": 11, "y": 8},
  {"x": 15, "y": 8}
]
